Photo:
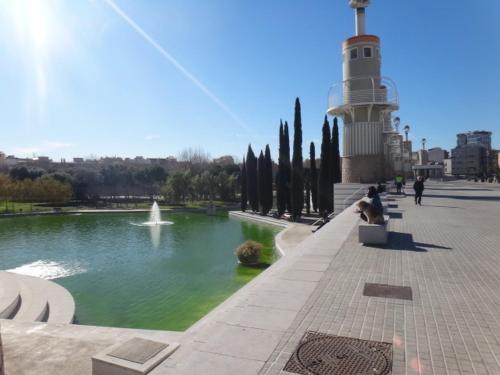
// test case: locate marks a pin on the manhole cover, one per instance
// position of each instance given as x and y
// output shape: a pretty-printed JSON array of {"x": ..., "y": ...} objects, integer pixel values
[
  {"x": 388, "y": 291},
  {"x": 322, "y": 354}
]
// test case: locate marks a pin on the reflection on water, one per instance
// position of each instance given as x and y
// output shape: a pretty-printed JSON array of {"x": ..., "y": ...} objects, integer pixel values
[
  {"x": 155, "y": 234},
  {"x": 48, "y": 270}
]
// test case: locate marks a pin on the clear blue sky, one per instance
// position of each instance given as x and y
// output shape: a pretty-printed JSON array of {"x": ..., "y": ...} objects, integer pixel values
[{"x": 76, "y": 79}]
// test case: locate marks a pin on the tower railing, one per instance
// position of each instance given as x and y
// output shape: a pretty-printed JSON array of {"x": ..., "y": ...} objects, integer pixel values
[{"x": 360, "y": 91}]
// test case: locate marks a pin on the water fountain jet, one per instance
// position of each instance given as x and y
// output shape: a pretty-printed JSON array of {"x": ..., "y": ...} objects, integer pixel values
[{"x": 154, "y": 218}]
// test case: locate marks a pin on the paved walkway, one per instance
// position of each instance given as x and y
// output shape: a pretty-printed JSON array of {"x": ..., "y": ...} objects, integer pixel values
[{"x": 448, "y": 252}]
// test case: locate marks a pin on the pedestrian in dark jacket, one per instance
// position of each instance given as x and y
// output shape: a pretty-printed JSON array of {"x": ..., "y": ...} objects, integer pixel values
[
  {"x": 375, "y": 200},
  {"x": 418, "y": 186},
  {"x": 375, "y": 203}
]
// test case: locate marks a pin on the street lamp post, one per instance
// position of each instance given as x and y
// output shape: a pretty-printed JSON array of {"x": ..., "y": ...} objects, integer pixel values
[
  {"x": 396, "y": 123},
  {"x": 406, "y": 130}
]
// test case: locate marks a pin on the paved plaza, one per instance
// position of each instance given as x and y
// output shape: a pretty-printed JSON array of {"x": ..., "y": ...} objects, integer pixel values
[{"x": 448, "y": 252}]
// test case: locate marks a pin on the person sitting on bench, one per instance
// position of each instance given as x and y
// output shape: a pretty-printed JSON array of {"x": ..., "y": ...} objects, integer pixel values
[{"x": 375, "y": 204}]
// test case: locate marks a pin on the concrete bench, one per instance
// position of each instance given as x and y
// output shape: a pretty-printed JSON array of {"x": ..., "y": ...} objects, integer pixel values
[{"x": 373, "y": 233}]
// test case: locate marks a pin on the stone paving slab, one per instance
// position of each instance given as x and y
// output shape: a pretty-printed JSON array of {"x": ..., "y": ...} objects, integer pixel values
[{"x": 212, "y": 363}]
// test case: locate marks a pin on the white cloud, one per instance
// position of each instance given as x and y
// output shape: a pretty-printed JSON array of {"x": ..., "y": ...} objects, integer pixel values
[{"x": 151, "y": 137}]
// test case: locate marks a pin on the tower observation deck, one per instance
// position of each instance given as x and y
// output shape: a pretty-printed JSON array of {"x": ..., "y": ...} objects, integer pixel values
[{"x": 365, "y": 100}]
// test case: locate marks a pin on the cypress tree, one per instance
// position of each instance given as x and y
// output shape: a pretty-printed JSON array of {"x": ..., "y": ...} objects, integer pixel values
[
  {"x": 297, "y": 181},
  {"x": 262, "y": 183},
  {"x": 307, "y": 186},
  {"x": 287, "y": 168},
  {"x": 268, "y": 176},
  {"x": 281, "y": 197},
  {"x": 337, "y": 171},
  {"x": 313, "y": 177},
  {"x": 325, "y": 169},
  {"x": 252, "y": 180},
  {"x": 243, "y": 179}
]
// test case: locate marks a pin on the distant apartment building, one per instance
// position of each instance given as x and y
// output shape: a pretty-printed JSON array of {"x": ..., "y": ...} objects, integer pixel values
[
  {"x": 429, "y": 163},
  {"x": 469, "y": 160},
  {"x": 496, "y": 161},
  {"x": 477, "y": 137},
  {"x": 224, "y": 160},
  {"x": 448, "y": 167},
  {"x": 473, "y": 155},
  {"x": 42, "y": 161},
  {"x": 436, "y": 155}
]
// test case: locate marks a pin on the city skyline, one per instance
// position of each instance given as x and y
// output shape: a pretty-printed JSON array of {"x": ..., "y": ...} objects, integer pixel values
[{"x": 83, "y": 78}]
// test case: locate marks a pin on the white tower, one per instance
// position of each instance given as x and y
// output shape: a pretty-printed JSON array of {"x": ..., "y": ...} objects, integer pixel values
[{"x": 365, "y": 101}]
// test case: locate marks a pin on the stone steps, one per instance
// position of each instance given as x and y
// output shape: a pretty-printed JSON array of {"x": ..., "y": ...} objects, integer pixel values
[
  {"x": 61, "y": 305},
  {"x": 347, "y": 194},
  {"x": 34, "y": 304},
  {"x": 32, "y": 299},
  {"x": 9, "y": 295}
]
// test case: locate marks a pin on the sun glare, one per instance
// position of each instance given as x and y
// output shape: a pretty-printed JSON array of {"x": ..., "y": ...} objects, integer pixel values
[
  {"x": 33, "y": 22},
  {"x": 38, "y": 35}
]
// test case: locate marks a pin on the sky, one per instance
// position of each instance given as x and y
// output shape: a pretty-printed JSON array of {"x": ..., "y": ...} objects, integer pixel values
[{"x": 81, "y": 78}]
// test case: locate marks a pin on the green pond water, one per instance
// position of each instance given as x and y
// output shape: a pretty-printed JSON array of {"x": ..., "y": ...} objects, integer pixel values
[{"x": 124, "y": 275}]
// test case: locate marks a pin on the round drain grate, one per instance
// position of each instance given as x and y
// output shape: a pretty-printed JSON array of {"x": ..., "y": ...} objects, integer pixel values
[{"x": 320, "y": 354}]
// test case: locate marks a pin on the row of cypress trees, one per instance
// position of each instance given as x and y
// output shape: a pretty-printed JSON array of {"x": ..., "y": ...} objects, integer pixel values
[
  {"x": 292, "y": 179},
  {"x": 283, "y": 177},
  {"x": 330, "y": 172},
  {"x": 257, "y": 181}
]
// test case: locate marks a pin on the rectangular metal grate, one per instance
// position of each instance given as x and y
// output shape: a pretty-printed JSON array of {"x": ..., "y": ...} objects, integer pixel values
[
  {"x": 138, "y": 350},
  {"x": 388, "y": 291},
  {"x": 323, "y": 354}
]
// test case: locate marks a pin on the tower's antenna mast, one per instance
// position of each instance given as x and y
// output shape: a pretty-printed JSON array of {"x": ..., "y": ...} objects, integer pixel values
[{"x": 360, "y": 6}]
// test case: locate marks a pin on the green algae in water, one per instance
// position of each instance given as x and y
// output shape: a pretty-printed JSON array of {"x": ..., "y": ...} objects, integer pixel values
[{"x": 123, "y": 275}]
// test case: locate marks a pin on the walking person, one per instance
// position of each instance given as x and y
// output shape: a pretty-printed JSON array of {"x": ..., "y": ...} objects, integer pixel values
[
  {"x": 418, "y": 186},
  {"x": 398, "y": 180}
]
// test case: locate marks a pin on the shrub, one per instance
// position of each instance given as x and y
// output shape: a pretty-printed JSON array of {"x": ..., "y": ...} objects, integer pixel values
[{"x": 248, "y": 252}]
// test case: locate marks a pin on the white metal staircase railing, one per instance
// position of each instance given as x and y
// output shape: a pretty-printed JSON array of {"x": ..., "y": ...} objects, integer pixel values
[
  {"x": 321, "y": 219},
  {"x": 363, "y": 90}
]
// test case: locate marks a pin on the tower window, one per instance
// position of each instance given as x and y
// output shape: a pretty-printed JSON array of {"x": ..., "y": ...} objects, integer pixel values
[
  {"x": 367, "y": 52},
  {"x": 354, "y": 53}
]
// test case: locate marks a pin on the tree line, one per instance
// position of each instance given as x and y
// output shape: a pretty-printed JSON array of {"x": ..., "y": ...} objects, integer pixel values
[
  {"x": 43, "y": 189},
  {"x": 296, "y": 186},
  {"x": 94, "y": 182},
  {"x": 198, "y": 179},
  {"x": 213, "y": 183}
]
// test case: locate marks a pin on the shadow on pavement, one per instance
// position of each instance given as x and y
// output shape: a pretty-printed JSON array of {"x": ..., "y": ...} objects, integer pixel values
[
  {"x": 404, "y": 242},
  {"x": 435, "y": 205},
  {"x": 395, "y": 215},
  {"x": 455, "y": 189},
  {"x": 464, "y": 197}
]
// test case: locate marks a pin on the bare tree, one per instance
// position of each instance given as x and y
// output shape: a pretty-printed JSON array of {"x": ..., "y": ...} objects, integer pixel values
[{"x": 194, "y": 155}]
